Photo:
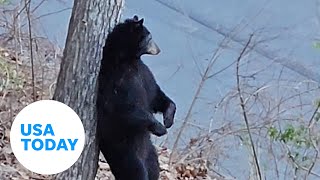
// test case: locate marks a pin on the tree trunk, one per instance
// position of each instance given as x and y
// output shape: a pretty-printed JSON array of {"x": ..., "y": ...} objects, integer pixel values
[{"x": 76, "y": 85}]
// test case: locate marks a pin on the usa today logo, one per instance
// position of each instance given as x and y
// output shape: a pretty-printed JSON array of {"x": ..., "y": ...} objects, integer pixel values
[{"x": 47, "y": 137}]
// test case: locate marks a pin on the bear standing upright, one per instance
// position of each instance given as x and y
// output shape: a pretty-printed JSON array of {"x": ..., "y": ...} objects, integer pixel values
[{"x": 128, "y": 96}]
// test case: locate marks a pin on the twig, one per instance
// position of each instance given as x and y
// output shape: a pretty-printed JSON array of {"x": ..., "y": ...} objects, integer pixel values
[
  {"x": 51, "y": 13},
  {"x": 186, "y": 119},
  {"x": 195, "y": 97},
  {"x": 48, "y": 14},
  {"x": 204, "y": 77},
  {"x": 312, "y": 120},
  {"x": 291, "y": 158},
  {"x": 242, "y": 104},
  {"x": 27, "y": 5},
  {"x": 35, "y": 8}
]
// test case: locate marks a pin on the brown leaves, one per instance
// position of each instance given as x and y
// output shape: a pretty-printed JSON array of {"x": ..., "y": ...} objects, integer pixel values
[
  {"x": 15, "y": 94},
  {"x": 188, "y": 171},
  {"x": 191, "y": 171}
]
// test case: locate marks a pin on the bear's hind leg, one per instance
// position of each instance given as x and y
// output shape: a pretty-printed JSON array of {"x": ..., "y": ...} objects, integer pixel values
[
  {"x": 152, "y": 163},
  {"x": 125, "y": 165}
]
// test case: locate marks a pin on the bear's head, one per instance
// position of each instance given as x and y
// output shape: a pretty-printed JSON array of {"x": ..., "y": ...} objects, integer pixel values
[{"x": 129, "y": 40}]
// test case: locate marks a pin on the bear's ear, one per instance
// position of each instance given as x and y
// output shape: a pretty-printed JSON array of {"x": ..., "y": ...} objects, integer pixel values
[
  {"x": 135, "y": 18},
  {"x": 141, "y": 21}
]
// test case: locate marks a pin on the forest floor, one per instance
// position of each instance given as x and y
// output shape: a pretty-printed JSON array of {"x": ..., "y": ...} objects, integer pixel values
[{"x": 16, "y": 92}]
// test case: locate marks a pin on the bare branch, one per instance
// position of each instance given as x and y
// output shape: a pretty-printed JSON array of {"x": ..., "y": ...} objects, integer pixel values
[
  {"x": 242, "y": 104},
  {"x": 27, "y": 5}
]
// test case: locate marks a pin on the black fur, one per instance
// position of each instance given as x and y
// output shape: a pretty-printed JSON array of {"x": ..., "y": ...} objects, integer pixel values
[{"x": 128, "y": 95}]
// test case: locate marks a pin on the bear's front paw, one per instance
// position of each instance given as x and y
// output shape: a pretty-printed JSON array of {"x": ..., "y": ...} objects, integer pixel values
[
  {"x": 168, "y": 116},
  {"x": 158, "y": 129}
]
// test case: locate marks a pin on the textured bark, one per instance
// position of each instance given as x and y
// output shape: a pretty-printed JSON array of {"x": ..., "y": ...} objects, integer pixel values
[{"x": 76, "y": 86}]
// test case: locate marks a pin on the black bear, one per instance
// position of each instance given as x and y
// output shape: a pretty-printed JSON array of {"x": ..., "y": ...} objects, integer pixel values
[{"x": 128, "y": 96}]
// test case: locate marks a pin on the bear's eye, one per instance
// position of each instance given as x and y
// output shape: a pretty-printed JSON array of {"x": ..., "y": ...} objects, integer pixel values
[{"x": 138, "y": 26}]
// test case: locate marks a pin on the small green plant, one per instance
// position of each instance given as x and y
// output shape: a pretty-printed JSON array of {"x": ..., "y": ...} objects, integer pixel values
[
  {"x": 273, "y": 133},
  {"x": 316, "y": 45},
  {"x": 9, "y": 78},
  {"x": 297, "y": 136},
  {"x": 4, "y": 1}
]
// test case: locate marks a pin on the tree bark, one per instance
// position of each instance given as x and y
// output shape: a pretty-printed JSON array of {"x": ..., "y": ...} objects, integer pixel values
[{"x": 90, "y": 22}]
